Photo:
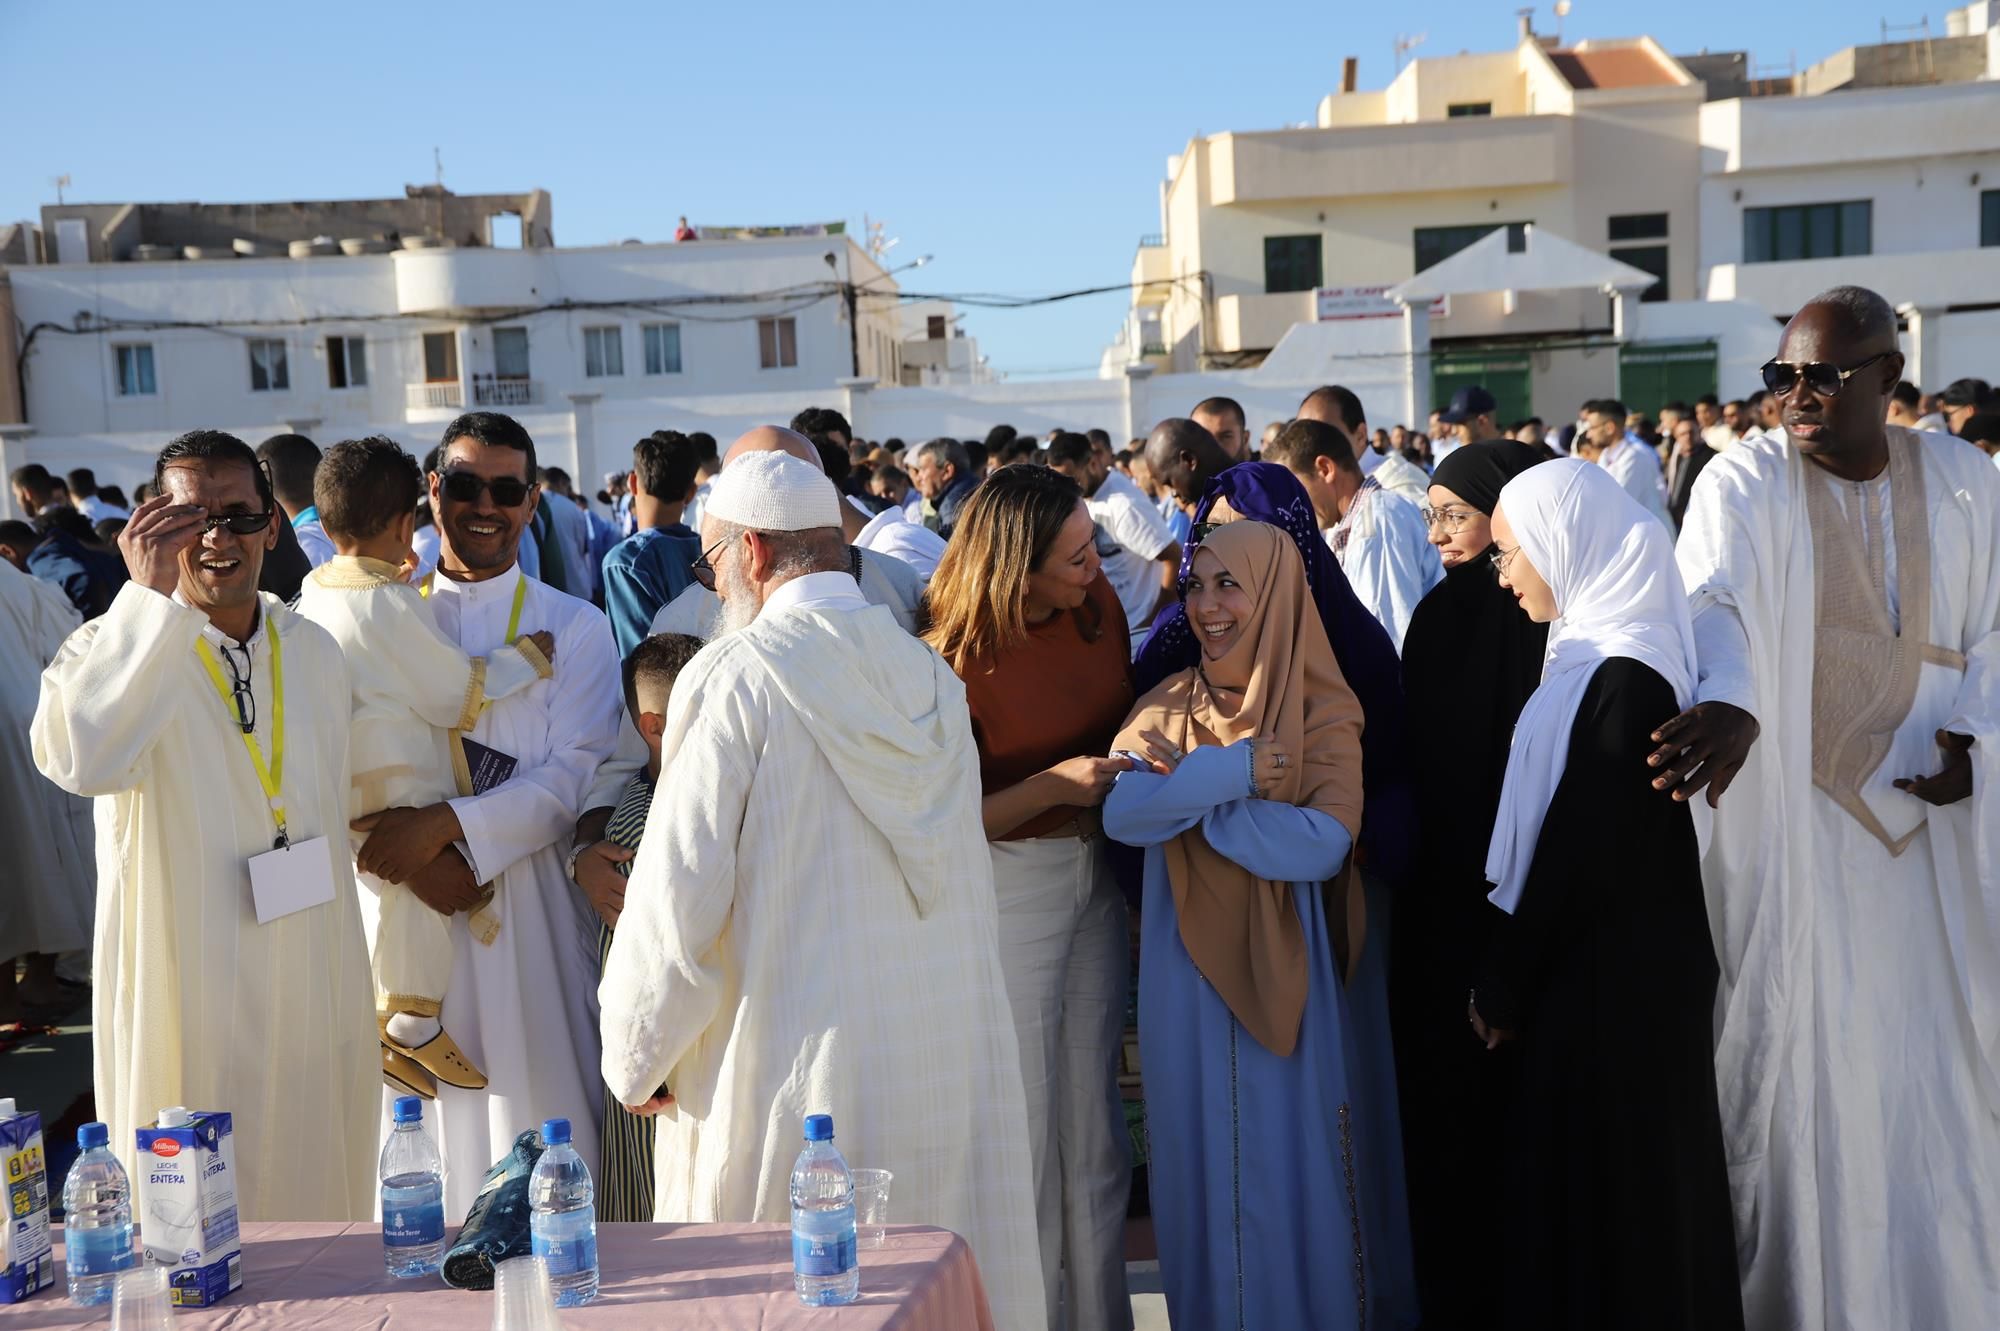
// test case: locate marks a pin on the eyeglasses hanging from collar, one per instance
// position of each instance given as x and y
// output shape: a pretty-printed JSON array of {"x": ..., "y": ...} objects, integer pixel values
[{"x": 239, "y": 687}]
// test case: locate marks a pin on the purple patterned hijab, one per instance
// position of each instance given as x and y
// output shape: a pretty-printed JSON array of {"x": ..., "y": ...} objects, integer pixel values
[{"x": 1266, "y": 492}]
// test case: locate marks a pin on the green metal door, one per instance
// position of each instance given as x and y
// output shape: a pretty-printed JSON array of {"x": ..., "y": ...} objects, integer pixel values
[
  {"x": 1504, "y": 374},
  {"x": 1652, "y": 374}
]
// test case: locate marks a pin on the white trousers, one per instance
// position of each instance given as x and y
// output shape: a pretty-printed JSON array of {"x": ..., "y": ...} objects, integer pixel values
[
  {"x": 1066, "y": 957},
  {"x": 412, "y": 960}
]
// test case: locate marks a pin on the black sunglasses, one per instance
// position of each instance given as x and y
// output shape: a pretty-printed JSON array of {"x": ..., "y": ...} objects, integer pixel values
[
  {"x": 243, "y": 524},
  {"x": 1823, "y": 377},
  {"x": 465, "y": 487},
  {"x": 703, "y": 570}
]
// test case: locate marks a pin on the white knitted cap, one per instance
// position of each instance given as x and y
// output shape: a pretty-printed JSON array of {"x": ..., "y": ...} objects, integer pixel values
[{"x": 773, "y": 492}]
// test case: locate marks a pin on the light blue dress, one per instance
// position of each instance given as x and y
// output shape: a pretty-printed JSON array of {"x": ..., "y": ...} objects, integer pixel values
[{"x": 1260, "y": 1166}]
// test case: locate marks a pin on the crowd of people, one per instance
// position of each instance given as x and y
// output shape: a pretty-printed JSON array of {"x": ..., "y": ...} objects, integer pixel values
[{"x": 1562, "y": 863}]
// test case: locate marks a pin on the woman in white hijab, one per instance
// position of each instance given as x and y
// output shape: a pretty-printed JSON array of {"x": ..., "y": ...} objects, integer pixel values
[{"x": 1614, "y": 1205}]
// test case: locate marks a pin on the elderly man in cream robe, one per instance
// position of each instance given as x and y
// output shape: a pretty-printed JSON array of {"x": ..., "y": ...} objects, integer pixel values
[
  {"x": 46, "y": 910},
  {"x": 810, "y": 926},
  {"x": 1846, "y": 588},
  {"x": 210, "y": 724}
]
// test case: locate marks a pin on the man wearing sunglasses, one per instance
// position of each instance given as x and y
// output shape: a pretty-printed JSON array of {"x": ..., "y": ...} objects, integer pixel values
[
  {"x": 211, "y": 723},
  {"x": 1846, "y": 594},
  {"x": 523, "y": 1010}
]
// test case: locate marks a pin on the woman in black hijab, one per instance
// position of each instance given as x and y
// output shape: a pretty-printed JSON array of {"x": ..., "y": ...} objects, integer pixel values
[{"x": 1470, "y": 660}]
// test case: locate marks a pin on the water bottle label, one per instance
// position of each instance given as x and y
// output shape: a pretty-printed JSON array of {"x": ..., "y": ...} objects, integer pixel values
[
  {"x": 823, "y": 1242},
  {"x": 413, "y": 1226},
  {"x": 568, "y": 1243},
  {"x": 98, "y": 1252}
]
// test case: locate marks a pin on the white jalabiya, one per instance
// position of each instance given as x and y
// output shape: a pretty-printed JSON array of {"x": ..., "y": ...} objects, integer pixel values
[
  {"x": 1858, "y": 928},
  {"x": 1636, "y": 467},
  {"x": 1385, "y": 550},
  {"x": 196, "y": 1003},
  {"x": 697, "y": 612},
  {"x": 411, "y": 687},
  {"x": 524, "y": 1009},
  {"x": 1398, "y": 475},
  {"x": 52, "y": 877},
  {"x": 1612, "y": 573},
  {"x": 891, "y": 532},
  {"x": 810, "y": 928}
]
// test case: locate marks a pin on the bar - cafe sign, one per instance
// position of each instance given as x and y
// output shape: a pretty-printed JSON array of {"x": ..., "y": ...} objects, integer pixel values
[{"x": 1335, "y": 303}]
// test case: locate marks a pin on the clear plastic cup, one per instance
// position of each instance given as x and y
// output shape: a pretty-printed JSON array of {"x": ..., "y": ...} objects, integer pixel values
[
  {"x": 871, "y": 1206},
  {"x": 139, "y": 1300},
  {"x": 523, "y": 1298}
]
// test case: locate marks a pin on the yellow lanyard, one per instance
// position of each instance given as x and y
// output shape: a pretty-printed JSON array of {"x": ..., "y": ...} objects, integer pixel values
[
  {"x": 513, "y": 620},
  {"x": 269, "y": 776}
]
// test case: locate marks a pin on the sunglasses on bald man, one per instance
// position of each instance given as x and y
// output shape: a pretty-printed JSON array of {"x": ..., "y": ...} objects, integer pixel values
[{"x": 1823, "y": 377}]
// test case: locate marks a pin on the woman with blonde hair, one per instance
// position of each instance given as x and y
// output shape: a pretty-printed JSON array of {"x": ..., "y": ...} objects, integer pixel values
[
  {"x": 1248, "y": 805},
  {"x": 1022, "y": 612}
]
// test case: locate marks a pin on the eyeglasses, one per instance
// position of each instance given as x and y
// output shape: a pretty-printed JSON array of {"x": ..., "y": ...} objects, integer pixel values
[
  {"x": 465, "y": 487},
  {"x": 1201, "y": 531},
  {"x": 1501, "y": 558},
  {"x": 703, "y": 569},
  {"x": 1453, "y": 520},
  {"x": 242, "y": 524},
  {"x": 239, "y": 686},
  {"x": 1822, "y": 377}
]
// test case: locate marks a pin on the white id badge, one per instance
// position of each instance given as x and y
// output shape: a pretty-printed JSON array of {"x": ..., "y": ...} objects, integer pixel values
[{"x": 284, "y": 882}]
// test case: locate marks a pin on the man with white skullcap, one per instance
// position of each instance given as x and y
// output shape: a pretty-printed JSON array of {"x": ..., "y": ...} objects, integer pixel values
[{"x": 809, "y": 926}]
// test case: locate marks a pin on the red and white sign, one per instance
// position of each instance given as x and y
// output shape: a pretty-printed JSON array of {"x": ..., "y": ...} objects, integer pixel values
[
  {"x": 166, "y": 1147},
  {"x": 1335, "y": 303}
]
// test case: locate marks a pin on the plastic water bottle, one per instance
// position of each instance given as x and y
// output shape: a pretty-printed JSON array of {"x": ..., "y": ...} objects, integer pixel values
[
  {"x": 825, "y": 1267},
  {"x": 97, "y": 1230},
  {"x": 562, "y": 1217},
  {"x": 412, "y": 1196}
]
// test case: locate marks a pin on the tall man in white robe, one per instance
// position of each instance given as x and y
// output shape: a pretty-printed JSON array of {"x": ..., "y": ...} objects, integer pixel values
[
  {"x": 1846, "y": 585},
  {"x": 810, "y": 926},
  {"x": 47, "y": 908},
  {"x": 524, "y": 1006},
  {"x": 149, "y": 709},
  {"x": 1339, "y": 407}
]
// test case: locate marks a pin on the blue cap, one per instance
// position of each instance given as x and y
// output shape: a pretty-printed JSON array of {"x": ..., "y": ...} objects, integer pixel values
[
  {"x": 555, "y": 1132},
  {"x": 93, "y": 1135},
  {"x": 1467, "y": 403},
  {"x": 819, "y": 1127},
  {"x": 409, "y": 1109}
]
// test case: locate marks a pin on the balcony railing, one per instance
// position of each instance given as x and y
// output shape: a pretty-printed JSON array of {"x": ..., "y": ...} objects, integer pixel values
[
  {"x": 1152, "y": 241},
  {"x": 488, "y": 392},
  {"x": 436, "y": 395}
]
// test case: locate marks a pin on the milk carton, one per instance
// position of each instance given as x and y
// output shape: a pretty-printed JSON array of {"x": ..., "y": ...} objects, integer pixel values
[
  {"x": 186, "y": 1182},
  {"x": 27, "y": 1262}
]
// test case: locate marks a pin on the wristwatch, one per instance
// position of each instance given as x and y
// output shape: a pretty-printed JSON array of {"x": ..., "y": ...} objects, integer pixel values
[{"x": 569, "y": 865}]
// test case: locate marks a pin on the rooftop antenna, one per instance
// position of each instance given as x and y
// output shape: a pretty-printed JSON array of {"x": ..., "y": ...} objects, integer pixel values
[
  {"x": 437, "y": 162},
  {"x": 61, "y": 183},
  {"x": 1562, "y": 12},
  {"x": 1406, "y": 44}
]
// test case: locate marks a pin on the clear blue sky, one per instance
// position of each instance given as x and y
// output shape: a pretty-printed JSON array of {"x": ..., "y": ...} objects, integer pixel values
[{"x": 1021, "y": 144}]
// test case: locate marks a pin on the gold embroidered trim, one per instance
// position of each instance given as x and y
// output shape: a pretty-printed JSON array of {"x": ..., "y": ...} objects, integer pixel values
[
  {"x": 413, "y": 1004},
  {"x": 1864, "y": 671},
  {"x": 1354, "y": 1218},
  {"x": 475, "y": 697},
  {"x": 461, "y": 770},
  {"x": 543, "y": 666},
  {"x": 356, "y": 573},
  {"x": 484, "y": 921}
]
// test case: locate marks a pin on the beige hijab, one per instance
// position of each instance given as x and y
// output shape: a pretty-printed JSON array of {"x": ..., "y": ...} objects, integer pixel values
[{"x": 1279, "y": 678}]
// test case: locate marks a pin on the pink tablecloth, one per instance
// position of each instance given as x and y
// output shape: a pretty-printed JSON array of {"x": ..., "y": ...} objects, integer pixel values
[{"x": 325, "y": 1277}]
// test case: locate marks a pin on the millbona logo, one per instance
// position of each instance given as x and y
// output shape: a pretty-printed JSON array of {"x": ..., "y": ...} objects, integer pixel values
[{"x": 166, "y": 1147}]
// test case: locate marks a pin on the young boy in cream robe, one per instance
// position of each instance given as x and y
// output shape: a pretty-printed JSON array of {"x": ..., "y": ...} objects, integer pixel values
[{"x": 414, "y": 690}]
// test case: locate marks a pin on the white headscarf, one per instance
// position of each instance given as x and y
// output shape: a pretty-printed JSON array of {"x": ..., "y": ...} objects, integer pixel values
[{"x": 1610, "y": 565}]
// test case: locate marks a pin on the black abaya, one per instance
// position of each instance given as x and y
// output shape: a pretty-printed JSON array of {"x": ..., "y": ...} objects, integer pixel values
[
  {"x": 1614, "y": 1205},
  {"x": 1470, "y": 661}
]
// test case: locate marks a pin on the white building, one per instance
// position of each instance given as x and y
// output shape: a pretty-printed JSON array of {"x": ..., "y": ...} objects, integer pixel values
[
  {"x": 936, "y": 350},
  {"x": 1741, "y": 195},
  {"x": 591, "y": 347}
]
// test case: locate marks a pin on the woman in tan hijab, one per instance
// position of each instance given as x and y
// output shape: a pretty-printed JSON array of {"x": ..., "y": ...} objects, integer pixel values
[{"x": 1246, "y": 795}]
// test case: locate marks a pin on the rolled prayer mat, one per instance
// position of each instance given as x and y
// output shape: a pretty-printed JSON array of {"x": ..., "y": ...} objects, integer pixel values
[{"x": 496, "y": 1228}]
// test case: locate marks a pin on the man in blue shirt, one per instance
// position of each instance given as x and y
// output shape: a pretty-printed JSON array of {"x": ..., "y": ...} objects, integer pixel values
[
  {"x": 61, "y": 550},
  {"x": 654, "y": 565}
]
